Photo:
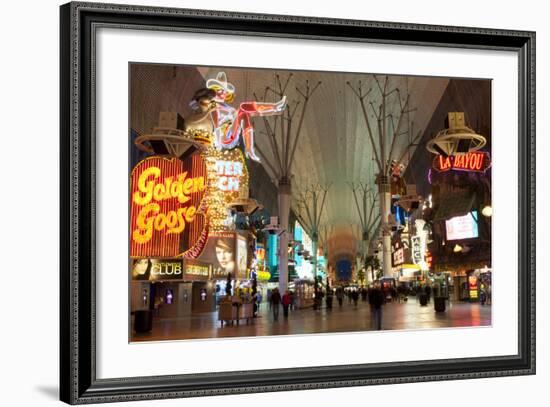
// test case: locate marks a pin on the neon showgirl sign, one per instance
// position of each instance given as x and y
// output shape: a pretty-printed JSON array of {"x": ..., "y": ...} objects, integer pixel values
[{"x": 230, "y": 123}]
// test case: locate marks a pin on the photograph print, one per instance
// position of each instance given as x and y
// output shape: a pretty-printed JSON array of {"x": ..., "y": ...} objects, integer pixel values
[{"x": 277, "y": 202}]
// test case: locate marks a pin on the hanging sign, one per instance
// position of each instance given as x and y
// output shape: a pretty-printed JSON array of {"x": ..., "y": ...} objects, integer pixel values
[
  {"x": 416, "y": 249},
  {"x": 399, "y": 257},
  {"x": 477, "y": 161}
]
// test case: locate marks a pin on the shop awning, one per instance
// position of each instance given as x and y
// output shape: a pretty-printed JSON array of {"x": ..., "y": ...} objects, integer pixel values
[{"x": 454, "y": 204}]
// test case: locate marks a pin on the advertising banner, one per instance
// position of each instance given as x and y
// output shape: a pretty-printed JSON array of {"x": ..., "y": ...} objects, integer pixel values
[
  {"x": 157, "y": 269},
  {"x": 220, "y": 253},
  {"x": 242, "y": 257},
  {"x": 196, "y": 270}
]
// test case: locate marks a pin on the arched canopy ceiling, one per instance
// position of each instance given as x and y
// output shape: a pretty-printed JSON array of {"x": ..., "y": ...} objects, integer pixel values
[{"x": 333, "y": 146}]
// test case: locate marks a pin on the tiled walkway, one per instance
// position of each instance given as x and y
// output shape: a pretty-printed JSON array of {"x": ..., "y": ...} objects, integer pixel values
[{"x": 405, "y": 315}]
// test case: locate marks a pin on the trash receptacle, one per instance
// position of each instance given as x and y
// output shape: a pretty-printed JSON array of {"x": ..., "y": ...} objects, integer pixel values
[
  {"x": 143, "y": 321},
  {"x": 439, "y": 304}
]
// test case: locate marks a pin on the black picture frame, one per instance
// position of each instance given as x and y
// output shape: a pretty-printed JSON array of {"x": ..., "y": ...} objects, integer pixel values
[{"x": 78, "y": 382}]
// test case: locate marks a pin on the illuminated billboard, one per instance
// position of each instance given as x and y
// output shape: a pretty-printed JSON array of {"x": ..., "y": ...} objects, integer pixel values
[
  {"x": 462, "y": 227},
  {"x": 157, "y": 269},
  {"x": 226, "y": 252}
]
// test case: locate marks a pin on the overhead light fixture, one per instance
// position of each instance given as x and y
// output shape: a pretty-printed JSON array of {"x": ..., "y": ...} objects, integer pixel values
[
  {"x": 457, "y": 139},
  {"x": 487, "y": 211}
]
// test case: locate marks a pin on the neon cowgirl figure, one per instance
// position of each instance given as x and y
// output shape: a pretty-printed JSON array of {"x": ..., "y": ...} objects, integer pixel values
[{"x": 229, "y": 123}]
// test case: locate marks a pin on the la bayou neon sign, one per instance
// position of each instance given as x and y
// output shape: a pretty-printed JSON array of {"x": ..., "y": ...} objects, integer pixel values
[{"x": 477, "y": 161}]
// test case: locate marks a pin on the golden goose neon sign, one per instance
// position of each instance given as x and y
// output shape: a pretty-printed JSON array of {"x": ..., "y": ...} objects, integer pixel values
[{"x": 165, "y": 198}]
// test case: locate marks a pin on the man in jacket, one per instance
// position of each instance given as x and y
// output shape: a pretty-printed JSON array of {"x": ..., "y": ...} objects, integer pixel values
[
  {"x": 376, "y": 299},
  {"x": 275, "y": 300},
  {"x": 286, "y": 303}
]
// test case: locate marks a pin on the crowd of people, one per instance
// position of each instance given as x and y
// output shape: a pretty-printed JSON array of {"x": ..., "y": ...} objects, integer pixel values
[{"x": 375, "y": 295}]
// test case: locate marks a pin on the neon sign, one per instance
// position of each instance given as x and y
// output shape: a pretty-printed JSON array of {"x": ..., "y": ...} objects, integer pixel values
[
  {"x": 477, "y": 161},
  {"x": 399, "y": 256},
  {"x": 150, "y": 192},
  {"x": 227, "y": 183},
  {"x": 166, "y": 194},
  {"x": 229, "y": 175},
  {"x": 429, "y": 259},
  {"x": 416, "y": 249},
  {"x": 231, "y": 123}
]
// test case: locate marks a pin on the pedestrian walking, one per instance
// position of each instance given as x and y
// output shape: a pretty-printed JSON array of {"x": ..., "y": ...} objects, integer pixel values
[
  {"x": 286, "y": 303},
  {"x": 329, "y": 299},
  {"x": 355, "y": 297},
  {"x": 275, "y": 301},
  {"x": 258, "y": 301},
  {"x": 292, "y": 300},
  {"x": 318, "y": 300},
  {"x": 376, "y": 299},
  {"x": 482, "y": 297},
  {"x": 340, "y": 295},
  {"x": 363, "y": 294}
]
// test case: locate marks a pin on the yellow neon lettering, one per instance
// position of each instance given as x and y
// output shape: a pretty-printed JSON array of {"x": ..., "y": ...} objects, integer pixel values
[
  {"x": 144, "y": 231},
  {"x": 160, "y": 221},
  {"x": 198, "y": 184},
  {"x": 159, "y": 192},
  {"x": 171, "y": 220},
  {"x": 145, "y": 186},
  {"x": 190, "y": 214},
  {"x": 188, "y": 186}
]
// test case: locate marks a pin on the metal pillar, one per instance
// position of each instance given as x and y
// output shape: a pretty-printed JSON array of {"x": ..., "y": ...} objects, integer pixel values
[
  {"x": 284, "y": 212},
  {"x": 384, "y": 198}
]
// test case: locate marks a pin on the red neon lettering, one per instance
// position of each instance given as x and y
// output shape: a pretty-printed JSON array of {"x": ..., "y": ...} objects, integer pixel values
[
  {"x": 444, "y": 163},
  {"x": 458, "y": 161},
  {"x": 479, "y": 161},
  {"x": 474, "y": 161}
]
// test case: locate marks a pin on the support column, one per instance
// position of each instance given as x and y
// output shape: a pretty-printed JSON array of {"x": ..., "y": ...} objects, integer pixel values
[
  {"x": 314, "y": 259},
  {"x": 384, "y": 198},
  {"x": 284, "y": 213}
]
